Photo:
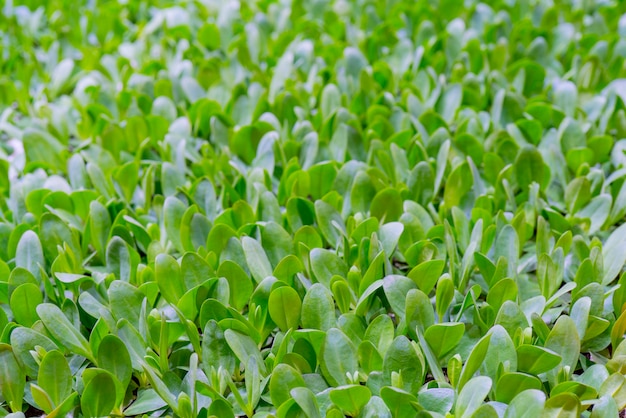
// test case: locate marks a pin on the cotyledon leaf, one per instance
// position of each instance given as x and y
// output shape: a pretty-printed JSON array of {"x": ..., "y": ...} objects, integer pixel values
[
  {"x": 613, "y": 254},
  {"x": 62, "y": 329}
]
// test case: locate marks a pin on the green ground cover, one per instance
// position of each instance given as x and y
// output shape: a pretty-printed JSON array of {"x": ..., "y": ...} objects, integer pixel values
[{"x": 281, "y": 208}]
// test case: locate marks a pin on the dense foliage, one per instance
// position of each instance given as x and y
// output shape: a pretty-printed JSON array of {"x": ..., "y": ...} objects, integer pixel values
[{"x": 307, "y": 208}]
